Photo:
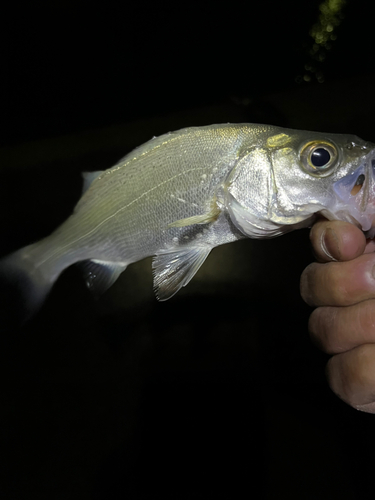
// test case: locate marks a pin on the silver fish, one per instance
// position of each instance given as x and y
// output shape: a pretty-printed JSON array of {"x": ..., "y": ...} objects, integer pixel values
[{"x": 180, "y": 195}]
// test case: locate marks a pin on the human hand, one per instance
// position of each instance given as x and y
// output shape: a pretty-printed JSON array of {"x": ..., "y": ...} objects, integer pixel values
[{"x": 342, "y": 287}]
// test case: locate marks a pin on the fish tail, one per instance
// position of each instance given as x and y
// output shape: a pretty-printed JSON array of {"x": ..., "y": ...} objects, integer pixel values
[{"x": 24, "y": 284}]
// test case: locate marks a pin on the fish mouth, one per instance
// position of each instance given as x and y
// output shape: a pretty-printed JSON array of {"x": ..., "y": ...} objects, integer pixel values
[
  {"x": 355, "y": 198},
  {"x": 366, "y": 224}
]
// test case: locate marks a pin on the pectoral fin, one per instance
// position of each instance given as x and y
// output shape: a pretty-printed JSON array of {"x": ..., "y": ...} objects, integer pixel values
[
  {"x": 174, "y": 269},
  {"x": 210, "y": 216},
  {"x": 100, "y": 275}
]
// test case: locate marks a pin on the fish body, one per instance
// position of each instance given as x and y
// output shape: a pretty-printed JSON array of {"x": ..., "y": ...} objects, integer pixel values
[{"x": 179, "y": 195}]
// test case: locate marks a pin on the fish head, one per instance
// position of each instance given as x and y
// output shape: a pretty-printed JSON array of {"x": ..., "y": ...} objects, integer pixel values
[{"x": 302, "y": 174}]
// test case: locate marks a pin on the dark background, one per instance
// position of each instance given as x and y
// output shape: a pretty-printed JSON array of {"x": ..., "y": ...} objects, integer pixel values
[{"x": 217, "y": 393}]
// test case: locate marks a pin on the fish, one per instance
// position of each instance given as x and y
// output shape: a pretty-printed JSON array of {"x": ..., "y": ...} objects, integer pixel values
[{"x": 182, "y": 194}]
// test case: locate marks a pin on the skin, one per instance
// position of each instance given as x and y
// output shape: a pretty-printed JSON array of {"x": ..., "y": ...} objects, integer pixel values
[{"x": 341, "y": 285}]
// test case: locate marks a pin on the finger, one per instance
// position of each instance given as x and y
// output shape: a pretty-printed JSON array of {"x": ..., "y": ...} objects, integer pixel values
[
  {"x": 370, "y": 246},
  {"x": 336, "y": 240},
  {"x": 339, "y": 329},
  {"x": 339, "y": 283},
  {"x": 351, "y": 376}
]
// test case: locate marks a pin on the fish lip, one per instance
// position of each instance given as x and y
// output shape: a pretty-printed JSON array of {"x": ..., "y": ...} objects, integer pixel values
[
  {"x": 350, "y": 218},
  {"x": 366, "y": 221}
]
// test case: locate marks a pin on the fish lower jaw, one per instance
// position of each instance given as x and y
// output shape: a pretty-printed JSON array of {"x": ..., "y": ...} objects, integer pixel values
[{"x": 364, "y": 221}]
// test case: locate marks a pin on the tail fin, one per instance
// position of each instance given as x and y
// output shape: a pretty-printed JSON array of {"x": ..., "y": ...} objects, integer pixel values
[{"x": 23, "y": 286}]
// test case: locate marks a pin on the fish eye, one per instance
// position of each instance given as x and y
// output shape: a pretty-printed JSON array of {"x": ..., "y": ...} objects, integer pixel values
[{"x": 319, "y": 158}]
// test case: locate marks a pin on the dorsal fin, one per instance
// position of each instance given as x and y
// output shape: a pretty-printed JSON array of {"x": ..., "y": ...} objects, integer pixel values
[
  {"x": 88, "y": 178},
  {"x": 173, "y": 269}
]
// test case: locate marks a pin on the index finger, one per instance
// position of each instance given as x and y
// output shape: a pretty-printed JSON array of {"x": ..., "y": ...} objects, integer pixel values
[{"x": 336, "y": 240}]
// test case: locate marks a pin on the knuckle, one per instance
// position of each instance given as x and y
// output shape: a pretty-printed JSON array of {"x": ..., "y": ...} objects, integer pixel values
[
  {"x": 361, "y": 373},
  {"x": 340, "y": 379},
  {"x": 316, "y": 328},
  {"x": 307, "y": 283},
  {"x": 322, "y": 329},
  {"x": 366, "y": 317},
  {"x": 358, "y": 377},
  {"x": 337, "y": 285}
]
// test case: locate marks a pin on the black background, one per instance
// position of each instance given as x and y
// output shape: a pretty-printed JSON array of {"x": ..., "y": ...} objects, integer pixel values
[{"x": 217, "y": 393}]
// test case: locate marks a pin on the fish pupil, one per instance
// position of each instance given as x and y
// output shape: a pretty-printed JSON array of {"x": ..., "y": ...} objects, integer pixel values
[{"x": 320, "y": 157}]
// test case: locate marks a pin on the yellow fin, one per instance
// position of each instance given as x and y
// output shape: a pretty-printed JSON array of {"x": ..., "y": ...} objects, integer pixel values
[{"x": 211, "y": 216}]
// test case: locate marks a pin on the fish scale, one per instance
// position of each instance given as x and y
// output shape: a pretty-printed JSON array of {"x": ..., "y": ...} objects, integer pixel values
[{"x": 177, "y": 177}]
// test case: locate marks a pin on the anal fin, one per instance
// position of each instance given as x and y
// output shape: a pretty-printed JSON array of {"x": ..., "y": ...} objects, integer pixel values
[
  {"x": 100, "y": 275},
  {"x": 175, "y": 268}
]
